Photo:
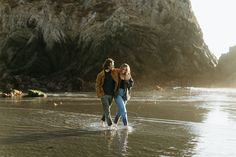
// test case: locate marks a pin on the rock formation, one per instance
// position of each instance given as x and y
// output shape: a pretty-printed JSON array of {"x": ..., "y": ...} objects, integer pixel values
[
  {"x": 62, "y": 44},
  {"x": 226, "y": 70}
]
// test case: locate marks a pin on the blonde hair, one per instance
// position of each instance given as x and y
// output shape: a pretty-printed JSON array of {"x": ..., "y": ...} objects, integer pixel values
[{"x": 125, "y": 65}]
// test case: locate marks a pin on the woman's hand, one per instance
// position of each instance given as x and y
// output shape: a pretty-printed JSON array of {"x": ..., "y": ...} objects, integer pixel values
[{"x": 125, "y": 77}]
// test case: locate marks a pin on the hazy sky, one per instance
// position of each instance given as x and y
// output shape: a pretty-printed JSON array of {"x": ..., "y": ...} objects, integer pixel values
[{"x": 217, "y": 19}]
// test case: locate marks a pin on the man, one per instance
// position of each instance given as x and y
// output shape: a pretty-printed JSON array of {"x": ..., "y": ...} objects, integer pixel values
[{"x": 106, "y": 87}]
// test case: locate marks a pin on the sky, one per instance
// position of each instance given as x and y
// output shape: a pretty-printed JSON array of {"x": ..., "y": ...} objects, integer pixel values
[{"x": 217, "y": 19}]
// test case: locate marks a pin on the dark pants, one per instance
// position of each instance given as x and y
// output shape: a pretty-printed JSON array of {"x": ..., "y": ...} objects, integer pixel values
[{"x": 106, "y": 103}]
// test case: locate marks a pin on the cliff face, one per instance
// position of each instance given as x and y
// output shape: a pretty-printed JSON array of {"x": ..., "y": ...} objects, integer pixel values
[
  {"x": 226, "y": 68},
  {"x": 68, "y": 40}
]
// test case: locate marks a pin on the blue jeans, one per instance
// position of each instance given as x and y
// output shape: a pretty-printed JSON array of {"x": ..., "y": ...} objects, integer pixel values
[{"x": 121, "y": 105}]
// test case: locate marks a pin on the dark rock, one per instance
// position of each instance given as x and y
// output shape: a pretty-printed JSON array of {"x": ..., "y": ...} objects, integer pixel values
[
  {"x": 47, "y": 40},
  {"x": 36, "y": 93}
]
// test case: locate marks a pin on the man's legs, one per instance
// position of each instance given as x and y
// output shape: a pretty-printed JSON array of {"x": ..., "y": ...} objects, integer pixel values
[
  {"x": 106, "y": 103},
  {"x": 103, "y": 117},
  {"x": 103, "y": 120}
]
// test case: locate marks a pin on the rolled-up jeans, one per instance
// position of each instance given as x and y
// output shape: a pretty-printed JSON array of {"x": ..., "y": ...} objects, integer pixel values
[
  {"x": 106, "y": 103},
  {"x": 121, "y": 105}
]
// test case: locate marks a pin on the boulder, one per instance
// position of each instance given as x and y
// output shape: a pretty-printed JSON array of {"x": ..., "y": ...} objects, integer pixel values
[
  {"x": 160, "y": 39},
  {"x": 36, "y": 93}
]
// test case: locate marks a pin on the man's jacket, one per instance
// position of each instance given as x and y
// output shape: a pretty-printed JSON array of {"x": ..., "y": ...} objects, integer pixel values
[{"x": 100, "y": 81}]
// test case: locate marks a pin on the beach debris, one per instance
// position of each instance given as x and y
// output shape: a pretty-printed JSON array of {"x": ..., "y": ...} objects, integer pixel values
[
  {"x": 158, "y": 88},
  {"x": 11, "y": 93}
]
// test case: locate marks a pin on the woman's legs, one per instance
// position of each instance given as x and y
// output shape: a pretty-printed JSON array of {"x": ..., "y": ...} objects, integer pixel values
[
  {"x": 122, "y": 112},
  {"x": 117, "y": 118}
]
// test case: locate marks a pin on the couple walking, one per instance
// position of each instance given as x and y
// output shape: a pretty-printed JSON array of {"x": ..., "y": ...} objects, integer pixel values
[{"x": 114, "y": 83}]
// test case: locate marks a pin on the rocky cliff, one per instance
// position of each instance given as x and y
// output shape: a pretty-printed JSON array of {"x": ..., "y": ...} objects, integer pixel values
[
  {"x": 226, "y": 68},
  {"x": 62, "y": 44}
]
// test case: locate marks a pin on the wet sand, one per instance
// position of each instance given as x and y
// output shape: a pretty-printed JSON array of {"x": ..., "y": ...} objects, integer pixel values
[{"x": 178, "y": 122}]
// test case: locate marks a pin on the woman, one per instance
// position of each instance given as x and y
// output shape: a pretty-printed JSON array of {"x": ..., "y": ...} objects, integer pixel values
[{"x": 123, "y": 95}]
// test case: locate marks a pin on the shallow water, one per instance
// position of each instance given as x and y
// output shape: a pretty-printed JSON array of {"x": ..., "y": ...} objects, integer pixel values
[{"x": 176, "y": 122}]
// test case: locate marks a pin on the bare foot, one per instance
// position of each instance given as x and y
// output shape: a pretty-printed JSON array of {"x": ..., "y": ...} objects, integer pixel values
[{"x": 103, "y": 124}]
